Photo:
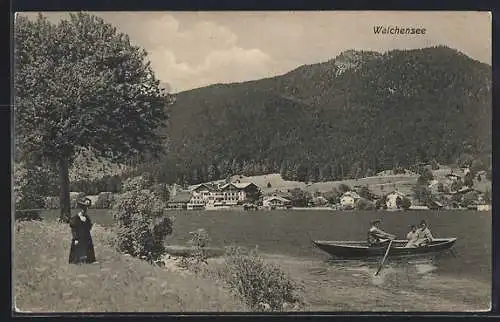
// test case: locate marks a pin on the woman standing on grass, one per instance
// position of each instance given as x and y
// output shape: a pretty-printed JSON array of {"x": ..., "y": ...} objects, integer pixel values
[{"x": 82, "y": 248}]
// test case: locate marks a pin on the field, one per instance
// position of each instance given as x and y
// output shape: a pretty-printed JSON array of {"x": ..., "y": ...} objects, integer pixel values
[{"x": 445, "y": 284}]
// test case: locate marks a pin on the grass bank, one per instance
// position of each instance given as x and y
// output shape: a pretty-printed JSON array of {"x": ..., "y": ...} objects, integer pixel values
[{"x": 43, "y": 281}]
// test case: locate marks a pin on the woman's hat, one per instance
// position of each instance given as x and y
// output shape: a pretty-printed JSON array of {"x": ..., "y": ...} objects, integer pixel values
[
  {"x": 85, "y": 202},
  {"x": 376, "y": 221}
]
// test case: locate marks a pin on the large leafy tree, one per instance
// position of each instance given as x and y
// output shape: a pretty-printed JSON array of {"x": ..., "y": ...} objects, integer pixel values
[{"x": 79, "y": 84}]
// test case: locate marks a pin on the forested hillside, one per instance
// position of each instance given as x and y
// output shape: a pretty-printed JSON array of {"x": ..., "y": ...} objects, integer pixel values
[{"x": 357, "y": 114}]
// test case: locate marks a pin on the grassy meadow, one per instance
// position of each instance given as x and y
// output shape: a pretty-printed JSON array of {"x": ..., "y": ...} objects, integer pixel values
[{"x": 43, "y": 281}]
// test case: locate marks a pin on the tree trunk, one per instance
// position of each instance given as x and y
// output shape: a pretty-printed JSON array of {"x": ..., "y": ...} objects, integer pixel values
[{"x": 64, "y": 199}]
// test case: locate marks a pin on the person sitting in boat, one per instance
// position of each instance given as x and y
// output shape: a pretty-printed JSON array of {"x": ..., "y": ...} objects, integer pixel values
[
  {"x": 376, "y": 236},
  {"x": 424, "y": 235},
  {"x": 412, "y": 237}
]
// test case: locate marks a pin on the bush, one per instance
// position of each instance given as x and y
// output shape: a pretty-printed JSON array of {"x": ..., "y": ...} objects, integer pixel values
[
  {"x": 199, "y": 240},
  {"x": 141, "y": 222},
  {"x": 262, "y": 286},
  {"x": 105, "y": 200}
]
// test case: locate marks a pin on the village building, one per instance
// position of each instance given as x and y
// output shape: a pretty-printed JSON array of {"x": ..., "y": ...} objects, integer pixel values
[
  {"x": 238, "y": 193},
  {"x": 391, "y": 200},
  {"x": 276, "y": 202},
  {"x": 179, "y": 201},
  {"x": 452, "y": 177},
  {"x": 223, "y": 195},
  {"x": 349, "y": 199}
]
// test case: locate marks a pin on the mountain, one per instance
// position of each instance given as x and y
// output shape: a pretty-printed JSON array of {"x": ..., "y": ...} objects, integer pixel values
[{"x": 357, "y": 114}]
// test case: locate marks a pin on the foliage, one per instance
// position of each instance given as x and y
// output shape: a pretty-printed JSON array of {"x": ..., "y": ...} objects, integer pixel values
[
  {"x": 105, "y": 200},
  {"x": 80, "y": 84},
  {"x": 93, "y": 187},
  {"x": 137, "y": 183},
  {"x": 470, "y": 198},
  {"x": 456, "y": 185},
  {"x": 487, "y": 196},
  {"x": 403, "y": 203},
  {"x": 199, "y": 239},
  {"x": 469, "y": 179},
  {"x": 299, "y": 197},
  {"x": 333, "y": 196},
  {"x": 29, "y": 190},
  {"x": 381, "y": 203},
  {"x": 261, "y": 285},
  {"x": 161, "y": 191},
  {"x": 422, "y": 194},
  {"x": 425, "y": 177},
  {"x": 364, "y": 192},
  {"x": 364, "y": 204},
  {"x": 142, "y": 225}
]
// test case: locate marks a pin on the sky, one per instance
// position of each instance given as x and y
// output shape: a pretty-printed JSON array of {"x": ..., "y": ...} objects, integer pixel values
[{"x": 194, "y": 49}]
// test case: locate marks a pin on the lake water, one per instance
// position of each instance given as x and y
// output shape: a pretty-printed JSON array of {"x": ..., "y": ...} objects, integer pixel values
[{"x": 290, "y": 232}]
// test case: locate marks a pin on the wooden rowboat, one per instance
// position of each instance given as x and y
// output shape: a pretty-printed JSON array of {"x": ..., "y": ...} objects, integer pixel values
[{"x": 361, "y": 250}]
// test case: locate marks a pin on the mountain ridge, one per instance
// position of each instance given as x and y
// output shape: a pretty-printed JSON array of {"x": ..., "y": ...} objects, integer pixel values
[{"x": 357, "y": 113}]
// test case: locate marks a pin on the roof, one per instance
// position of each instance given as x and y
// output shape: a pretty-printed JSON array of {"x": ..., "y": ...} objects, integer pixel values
[
  {"x": 203, "y": 185},
  {"x": 238, "y": 185},
  {"x": 351, "y": 194},
  {"x": 181, "y": 196},
  {"x": 276, "y": 198},
  {"x": 396, "y": 192}
]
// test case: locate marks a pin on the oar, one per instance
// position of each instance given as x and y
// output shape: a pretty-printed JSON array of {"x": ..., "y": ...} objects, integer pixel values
[{"x": 383, "y": 259}]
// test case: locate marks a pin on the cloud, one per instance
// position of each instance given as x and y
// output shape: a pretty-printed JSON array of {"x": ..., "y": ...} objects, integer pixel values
[
  {"x": 234, "y": 64},
  {"x": 205, "y": 53}
]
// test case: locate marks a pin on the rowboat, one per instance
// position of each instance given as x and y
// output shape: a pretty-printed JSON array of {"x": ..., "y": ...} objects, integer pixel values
[{"x": 361, "y": 250}]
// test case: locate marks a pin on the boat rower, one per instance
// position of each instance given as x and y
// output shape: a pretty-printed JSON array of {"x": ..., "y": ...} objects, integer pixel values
[{"x": 376, "y": 236}]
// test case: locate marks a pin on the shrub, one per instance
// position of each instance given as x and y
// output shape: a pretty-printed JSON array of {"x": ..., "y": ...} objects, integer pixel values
[
  {"x": 262, "y": 286},
  {"x": 105, "y": 200},
  {"x": 199, "y": 240},
  {"x": 141, "y": 223}
]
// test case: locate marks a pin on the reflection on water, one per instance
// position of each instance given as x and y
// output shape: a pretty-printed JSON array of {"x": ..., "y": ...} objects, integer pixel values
[{"x": 411, "y": 268}]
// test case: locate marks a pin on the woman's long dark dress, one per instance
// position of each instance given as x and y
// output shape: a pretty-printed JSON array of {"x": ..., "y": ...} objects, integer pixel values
[{"x": 83, "y": 252}]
